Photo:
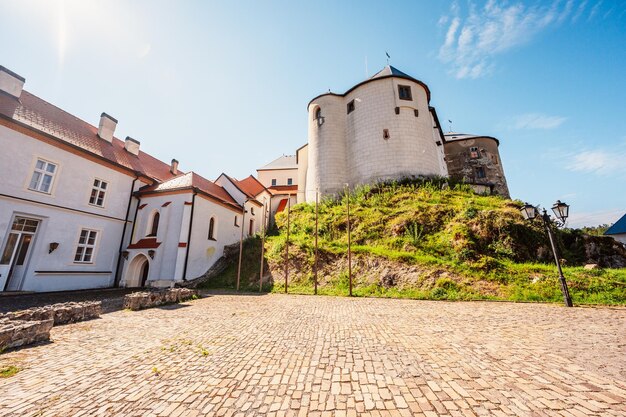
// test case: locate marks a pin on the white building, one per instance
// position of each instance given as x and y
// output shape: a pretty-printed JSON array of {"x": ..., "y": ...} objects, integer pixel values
[
  {"x": 618, "y": 230},
  {"x": 280, "y": 179},
  {"x": 82, "y": 209},
  {"x": 383, "y": 128}
]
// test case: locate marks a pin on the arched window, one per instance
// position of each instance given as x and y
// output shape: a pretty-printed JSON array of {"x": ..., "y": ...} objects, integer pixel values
[
  {"x": 155, "y": 224},
  {"x": 318, "y": 116},
  {"x": 212, "y": 229}
]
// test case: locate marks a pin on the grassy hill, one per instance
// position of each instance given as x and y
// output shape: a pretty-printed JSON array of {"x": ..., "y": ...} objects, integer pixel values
[{"x": 426, "y": 241}]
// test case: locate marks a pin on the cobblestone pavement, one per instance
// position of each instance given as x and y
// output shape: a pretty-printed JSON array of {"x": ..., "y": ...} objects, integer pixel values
[{"x": 281, "y": 355}]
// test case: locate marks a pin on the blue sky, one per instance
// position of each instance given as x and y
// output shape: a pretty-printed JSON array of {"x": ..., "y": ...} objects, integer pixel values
[{"x": 223, "y": 86}]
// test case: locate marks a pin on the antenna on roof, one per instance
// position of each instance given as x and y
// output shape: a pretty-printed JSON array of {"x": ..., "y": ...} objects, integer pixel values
[
  {"x": 388, "y": 57},
  {"x": 450, "y": 121}
]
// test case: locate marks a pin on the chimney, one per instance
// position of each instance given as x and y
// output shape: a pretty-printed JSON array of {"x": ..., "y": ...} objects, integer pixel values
[
  {"x": 106, "y": 129},
  {"x": 11, "y": 83},
  {"x": 174, "y": 167},
  {"x": 131, "y": 145}
]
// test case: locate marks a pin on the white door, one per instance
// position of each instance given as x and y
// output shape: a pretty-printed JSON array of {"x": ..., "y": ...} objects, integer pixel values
[{"x": 16, "y": 251}]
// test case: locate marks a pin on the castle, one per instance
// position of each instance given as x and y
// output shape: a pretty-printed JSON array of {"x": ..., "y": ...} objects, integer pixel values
[
  {"x": 80, "y": 208},
  {"x": 384, "y": 128}
]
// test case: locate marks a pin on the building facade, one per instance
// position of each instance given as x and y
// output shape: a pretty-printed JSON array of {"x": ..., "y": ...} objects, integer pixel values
[
  {"x": 385, "y": 129},
  {"x": 81, "y": 209}
]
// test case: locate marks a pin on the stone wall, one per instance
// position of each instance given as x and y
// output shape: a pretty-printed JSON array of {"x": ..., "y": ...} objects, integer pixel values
[
  {"x": 21, "y": 328},
  {"x": 148, "y": 299}
]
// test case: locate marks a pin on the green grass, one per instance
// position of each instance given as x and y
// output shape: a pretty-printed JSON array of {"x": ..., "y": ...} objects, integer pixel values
[
  {"x": 8, "y": 371},
  {"x": 461, "y": 246}
]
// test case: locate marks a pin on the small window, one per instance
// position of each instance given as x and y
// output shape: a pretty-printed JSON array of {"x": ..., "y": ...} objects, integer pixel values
[
  {"x": 350, "y": 106},
  {"x": 236, "y": 221},
  {"x": 273, "y": 182},
  {"x": 252, "y": 210},
  {"x": 404, "y": 92},
  {"x": 473, "y": 152},
  {"x": 480, "y": 172},
  {"x": 86, "y": 246},
  {"x": 212, "y": 229},
  {"x": 319, "y": 117},
  {"x": 386, "y": 134},
  {"x": 97, "y": 193},
  {"x": 289, "y": 181},
  {"x": 251, "y": 228},
  {"x": 43, "y": 176},
  {"x": 155, "y": 224}
]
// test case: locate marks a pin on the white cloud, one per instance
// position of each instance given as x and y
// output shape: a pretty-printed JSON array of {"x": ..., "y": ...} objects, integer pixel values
[
  {"x": 472, "y": 41},
  {"x": 594, "y": 218},
  {"x": 537, "y": 121},
  {"x": 598, "y": 161}
]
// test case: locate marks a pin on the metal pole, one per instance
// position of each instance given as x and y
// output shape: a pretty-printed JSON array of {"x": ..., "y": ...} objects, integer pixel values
[
  {"x": 566, "y": 297},
  {"x": 287, "y": 244},
  {"x": 316, "y": 224},
  {"x": 349, "y": 245},
  {"x": 243, "y": 220},
  {"x": 262, "y": 248}
]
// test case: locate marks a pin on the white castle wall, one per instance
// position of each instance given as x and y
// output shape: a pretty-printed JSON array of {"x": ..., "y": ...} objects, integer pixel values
[{"x": 350, "y": 148}]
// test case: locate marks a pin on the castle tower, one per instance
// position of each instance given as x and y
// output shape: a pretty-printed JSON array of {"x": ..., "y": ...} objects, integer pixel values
[{"x": 381, "y": 129}]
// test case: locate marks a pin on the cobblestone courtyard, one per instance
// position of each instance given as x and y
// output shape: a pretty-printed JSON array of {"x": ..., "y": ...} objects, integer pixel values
[{"x": 321, "y": 356}]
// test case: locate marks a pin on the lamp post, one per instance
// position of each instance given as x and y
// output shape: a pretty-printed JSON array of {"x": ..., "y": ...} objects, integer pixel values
[{"x": 561, "y": 211}]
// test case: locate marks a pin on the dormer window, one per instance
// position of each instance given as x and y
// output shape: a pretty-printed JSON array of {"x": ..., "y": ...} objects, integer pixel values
[
  {"x": 350, "y": 106},
  {"x": 404, "y": 92}
]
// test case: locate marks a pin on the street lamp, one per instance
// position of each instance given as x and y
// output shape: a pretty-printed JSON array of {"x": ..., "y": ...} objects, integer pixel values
[{"x": 561, "y": 211}]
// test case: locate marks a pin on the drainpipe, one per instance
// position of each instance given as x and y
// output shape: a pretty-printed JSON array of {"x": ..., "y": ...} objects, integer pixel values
[
  {"x": 193, "y": 205},
  {"x": 132, "y": 233},
  {"x": 116, "y": 281}
]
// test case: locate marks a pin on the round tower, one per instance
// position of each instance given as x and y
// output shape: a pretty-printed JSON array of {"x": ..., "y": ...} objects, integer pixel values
[
  {"x": 326, "y": 170},
  {"x": 381, "y": 129}
]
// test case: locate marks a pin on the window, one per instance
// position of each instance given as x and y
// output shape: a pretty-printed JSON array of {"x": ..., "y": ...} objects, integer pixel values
[
  {"x": 252, "y": 210},
  {"x": 155, "y": 224},
  {"x": 273, "y": 182},
  {"x": 97, "y": 193},
  {"x": 251, "y": 228},
  {"x": 236, "y": 221},
  {"x": 350, "y": 106},
  {"x": 386, "y": 134},
  {"x": 212, "y": 229},
  {"x": 404, "y": 92},
  {"x": 86, "y": 246},
  {"x": 289, "y": 181},
  {"x": 319, "y": 117},
  {"x": 42, "y": 176},
  {"x": 474, "y": 152},
  {"x": 480, "y": 172}
]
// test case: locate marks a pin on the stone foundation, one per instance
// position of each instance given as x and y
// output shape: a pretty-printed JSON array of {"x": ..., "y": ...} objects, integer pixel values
[
  {"x": 21, "y": 328},
  {"x": 61, "y": 313},
  {"x": 16, "y": 333},
  {"x": 148, "y": 299}
]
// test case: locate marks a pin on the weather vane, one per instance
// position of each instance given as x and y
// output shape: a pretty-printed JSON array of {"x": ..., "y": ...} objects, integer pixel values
[{"x": 388, "y": 57}]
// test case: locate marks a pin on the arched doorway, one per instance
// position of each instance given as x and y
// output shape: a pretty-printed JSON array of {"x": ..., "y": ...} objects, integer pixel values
[
  {"x": 143, "y": 272},
  {"x": 138, "y": 271}
]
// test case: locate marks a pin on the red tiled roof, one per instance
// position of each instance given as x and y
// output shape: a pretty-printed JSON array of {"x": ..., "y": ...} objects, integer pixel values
[
  {"x": 283, "y": 189},
  {"x": 282, "y": 205},
  {"x": 250, "y": 186},
  {"x": 192, "y": 180},
  {"x": 42, "y": 116},
  {"x": 147, "y": 243}
]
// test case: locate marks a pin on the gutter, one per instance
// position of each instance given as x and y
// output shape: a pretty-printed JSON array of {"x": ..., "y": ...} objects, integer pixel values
[
  {"x": 193, "y": 205},
  {"x": 116, "y": 281}
]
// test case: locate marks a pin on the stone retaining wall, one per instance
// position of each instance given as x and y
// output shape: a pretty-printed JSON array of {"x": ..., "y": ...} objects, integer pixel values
[
  {"x": 147, "y": 299},
  {"x": 21, "y": 328}
]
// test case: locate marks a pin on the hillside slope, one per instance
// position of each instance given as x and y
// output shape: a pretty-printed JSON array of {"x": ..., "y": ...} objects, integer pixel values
[{"x": 422, "y": 240}]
